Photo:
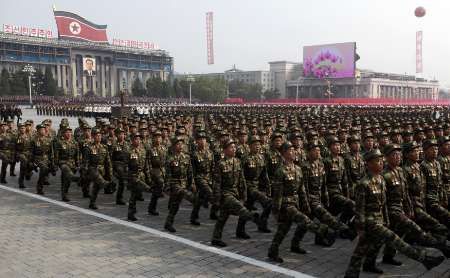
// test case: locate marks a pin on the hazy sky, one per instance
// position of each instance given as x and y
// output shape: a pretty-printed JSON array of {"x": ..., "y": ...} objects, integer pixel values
[{"x": 250, "y": 33}]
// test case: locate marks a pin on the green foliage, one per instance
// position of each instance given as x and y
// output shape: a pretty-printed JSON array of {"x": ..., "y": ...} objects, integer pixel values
[
  {"x": 271, "y": 94},
  {"x": 240, "y": 89},
  {"x": 137, "y": 88},
  {"x": 49, "y": 85},
  {"x": 19, "y": 83},
  {"x": 5, "y": 88},
  {"x": 206, "y": 89}
]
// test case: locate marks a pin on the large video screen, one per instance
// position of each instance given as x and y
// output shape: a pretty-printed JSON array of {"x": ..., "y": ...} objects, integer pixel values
[{"x": 329, "y": 60}]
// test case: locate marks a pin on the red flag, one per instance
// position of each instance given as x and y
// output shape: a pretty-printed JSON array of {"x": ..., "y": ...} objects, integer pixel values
[{"x": 73, "y": 27}]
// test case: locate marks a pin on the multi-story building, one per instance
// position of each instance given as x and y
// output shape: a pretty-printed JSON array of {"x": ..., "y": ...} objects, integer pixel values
[{"x": 116, "y": 66}]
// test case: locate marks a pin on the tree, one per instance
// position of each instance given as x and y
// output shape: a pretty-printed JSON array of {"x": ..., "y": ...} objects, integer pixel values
[
  {"x": 49, "y": 85},
  {"x": 177, "y": 89},
  {"x": 5, "y": 88},
  {"x": 19, "y": 83},
  {"x": 271, "y": 94},
  {"x": 37, "y": 81},
  {"x": 207, "y": 89},
  {"x": 137, "y": 88},
  {"x": 165, "y": 90},
  {"x": 154, "y": 87},
  {"x": 254, "y": 92}
]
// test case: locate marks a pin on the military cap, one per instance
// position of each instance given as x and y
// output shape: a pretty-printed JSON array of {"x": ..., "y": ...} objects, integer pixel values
[
  {"x": 119, "y": 130},
  {"x": 276, "y": 135},
  {"x": 177, "y": 139},
  {"x": 112, "y": 127},
  {"x": 135, "y": 135},
  {"x": 429, "y": 143},
  {"x": 354, "y": 138},
  {"x": 66, "y": 128},
  {"x": 223, "y": 133},
  {"x": 39, "y": 126},
  {"x": 407, "y": 132},
  {"x": 20, "y": 125},
  {"x": 242, "y": 132},
  {"x": 375, "y": 153},
  {"x": 443, "y": 140},
  {"x": 408, "y": 147},
  {"x": 227, "y": 143},
  {"x": 157, "y": 133},
  {"x": 395, "y": 131},
  {"x": 367, "y": 135},
  {"x": 254, "y": 138},
  {"x": 2, "y": 123},
  {"x": 295, "y": 135},
  {"x": 332, "y": 140},
  {"x": 86, "y": 126},
  {"x": 313, "y": 144},
  {"x": 286, "y": 146},
  {"x": 95, "y": 131},
  {"x": 200, "y": 135},
  {"x": 389, "y": 148},
  {"x": 311, "y": 133},
  {"x": 262, "y": 132},
  {"x": 438, "y": 127}
]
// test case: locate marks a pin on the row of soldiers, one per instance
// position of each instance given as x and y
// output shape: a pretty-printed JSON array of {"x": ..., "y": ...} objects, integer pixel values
[{"x": 321, "y": 170}]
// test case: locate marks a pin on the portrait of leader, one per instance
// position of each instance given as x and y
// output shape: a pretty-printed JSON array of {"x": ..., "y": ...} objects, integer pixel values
[{"x": 89, "y": 66}]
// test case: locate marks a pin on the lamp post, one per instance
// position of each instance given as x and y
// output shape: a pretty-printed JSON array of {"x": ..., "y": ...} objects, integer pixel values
[
  {"x": 190, "y": 79},
  {"x": 30, "y": 70}
]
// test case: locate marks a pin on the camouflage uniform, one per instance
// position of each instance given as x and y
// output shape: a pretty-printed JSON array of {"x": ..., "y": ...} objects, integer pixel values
[
  {"x": 119, "y": 152},
  {"x": 7, "y": 153},
  {"x": 444, "y": 194},
  {"x": 290, "y": 205},
  {"x": 202, "y": 166},
  {"x": 66, "y": 157},
  {"x": 178, "y": 182},
  {"x": 83, "y": 146},
  {"x": 42, "y": 158},
  {"x": 22, "y": 154},
  {"x": 138, "y": 177},
  {"x": 372, "y": 220},
  {"x": 355, "y": 168},
  {"x": 230, "y": 188},
  {"x": 99, "y": 169},
  {"x": 157, "y": 159}
]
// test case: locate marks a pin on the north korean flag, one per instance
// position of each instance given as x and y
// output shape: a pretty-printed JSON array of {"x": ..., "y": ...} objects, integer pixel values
[{"x": 74, "y": 27}]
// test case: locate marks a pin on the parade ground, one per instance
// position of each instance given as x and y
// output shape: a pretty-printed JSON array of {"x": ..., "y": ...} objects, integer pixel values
[{"x": 43, "y": 237}]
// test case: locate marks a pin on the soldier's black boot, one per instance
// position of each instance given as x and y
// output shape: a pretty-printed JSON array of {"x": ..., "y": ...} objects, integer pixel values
[
  {"x": 140, "y": 197},
  {"x": 430, "y": 261},
  {"x": 348, "y": 233},
  {"x": 297, "y": 249},
  {"x": 169, "y": 224},
  {"x": 12, "y": 166},
  {"x": 194, "y": 215},
  {"x": 390, "y": 260},
  {"x": 131, "y": 217},
  {"x": 152, "y": 206},
  {"x": 3, "y": 174},
  {"x": 218, "y": 243},
  {"x": 93, "y": 206},
  {"x": 325, "y": 236},
  {"x": 273, "y": 254},
  {"x": 445, "y": 249},
  {"x": 240, "y": 229},
  {"x": 372, "y": 268}
]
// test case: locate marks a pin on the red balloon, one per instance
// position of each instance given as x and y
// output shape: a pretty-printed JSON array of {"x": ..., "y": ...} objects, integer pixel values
[{"x": 419, "y": 12}]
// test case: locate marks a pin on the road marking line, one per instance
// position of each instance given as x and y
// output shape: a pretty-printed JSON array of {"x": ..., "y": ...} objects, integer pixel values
[{"x": 165, "y": 235}]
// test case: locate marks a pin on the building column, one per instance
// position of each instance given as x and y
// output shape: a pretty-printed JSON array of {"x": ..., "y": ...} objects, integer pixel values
[
  {"x": 58, "y": 75},
  {"x": 73, "y": 70},
  {"x": 113, "y": 80},
  {"x": 103, "y": 81},
  {"x": 64, "y": 78}
]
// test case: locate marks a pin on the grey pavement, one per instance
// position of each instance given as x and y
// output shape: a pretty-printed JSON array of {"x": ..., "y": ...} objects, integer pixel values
[{"x": 39, "y": 236}]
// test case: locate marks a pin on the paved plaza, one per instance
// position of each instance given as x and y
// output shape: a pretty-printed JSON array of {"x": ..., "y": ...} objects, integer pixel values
[{"x": 42, "y": 237}]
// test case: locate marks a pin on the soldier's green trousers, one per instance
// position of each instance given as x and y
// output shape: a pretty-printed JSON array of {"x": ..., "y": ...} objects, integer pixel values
[
  {"x": 24, "y": 169},
  {"x": 44, "y": 169},
  {"x": 203, "y": 196},
  {"x": 402, "y": 226},
  {"x": 177, "y": 194},
  {"x": 157, "y": 188},
  {"x": 120, "y": 172},
  {"x": 440, "y": 213},
  {"x": 369, "y": 241},
  {"x": 136, "y": 186},
  {"x": 96, "y": 176},
  {"x": 67, "y": 176},
  {"x": 291, "y": 214},
  {"x": 430, "y": 224},
  {"x": 230, "y": 205}
]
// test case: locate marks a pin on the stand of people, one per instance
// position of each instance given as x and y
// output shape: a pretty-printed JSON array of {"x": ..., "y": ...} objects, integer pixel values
[{"x": 379, "y": 174}]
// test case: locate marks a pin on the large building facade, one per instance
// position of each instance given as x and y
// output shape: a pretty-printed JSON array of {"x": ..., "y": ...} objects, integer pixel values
[
  {"x": 116, "y": 67},
  {"x": 367, "y": 84}
]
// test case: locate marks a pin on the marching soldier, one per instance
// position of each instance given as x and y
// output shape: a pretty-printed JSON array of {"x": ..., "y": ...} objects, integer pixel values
[
  {"x": 354, "y": 165},
  {"x": 444, "y": 161},
  {"x": 432, "y": 172},
  {"x": 202, "y": 168},
  {"x": 258, "y": 186},
  {"x": 42, "y": 156},
  {"x": 66, "y": 157},
  {"x": 156, "y": 155},
  {"x": 230, "y": 188},
  {"x": 98, "y": 165},
  {"x": 138, "y": 174},
  {"x": 372, "y": 220},
  {"x": 22, "y": 154},
  {"x": 119, "y": 151},
  {"x": 6, "y": 150},
  {"x": 179, "y": 180},
  {"x": 290, "y": 204},
  {"x": 83, "y": 145}
]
